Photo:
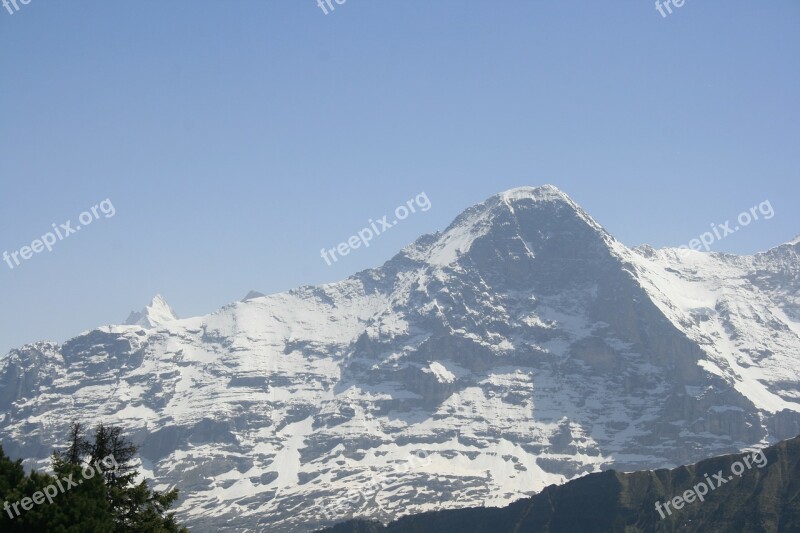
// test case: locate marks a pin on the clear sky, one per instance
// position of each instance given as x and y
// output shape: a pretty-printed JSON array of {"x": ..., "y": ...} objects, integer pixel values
[{"x": 236, "y": 139}]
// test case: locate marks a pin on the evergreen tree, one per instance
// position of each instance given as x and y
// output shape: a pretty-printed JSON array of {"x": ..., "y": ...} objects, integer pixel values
[
  {"x": 81, "y": 508},
  {"x": 110, "y": 501}
]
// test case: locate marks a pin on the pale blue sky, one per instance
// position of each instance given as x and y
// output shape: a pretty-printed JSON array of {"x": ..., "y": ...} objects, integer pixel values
[{"x": 235, "y": 139}]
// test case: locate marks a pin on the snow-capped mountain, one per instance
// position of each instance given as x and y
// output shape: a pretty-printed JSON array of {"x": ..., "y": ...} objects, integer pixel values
[
  {"x": 156, "y": 314},
  {"x": 522, "y": 346}
]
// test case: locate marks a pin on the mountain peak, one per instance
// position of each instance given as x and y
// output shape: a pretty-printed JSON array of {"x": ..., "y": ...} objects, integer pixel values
[
  {"x": 158, "y": 312},
  {"x": 252, "y": 295},
  {"x": 525, "y": 216},
  {"x": 543, "y": 196},
  {"x": 541, "y": 193},
  {"x": 547, "y": 198}
]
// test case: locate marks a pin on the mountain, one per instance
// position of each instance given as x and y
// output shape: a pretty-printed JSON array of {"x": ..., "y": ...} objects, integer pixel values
[
  {"x": 252, "y": 295},
  {"x": 764, "y": 497},
  {"x": 154, "y": 315},
  {"x": 521, "y": 347}
]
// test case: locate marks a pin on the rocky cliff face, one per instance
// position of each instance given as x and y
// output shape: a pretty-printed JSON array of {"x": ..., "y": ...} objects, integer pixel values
[{"x": 520, "y": 347}]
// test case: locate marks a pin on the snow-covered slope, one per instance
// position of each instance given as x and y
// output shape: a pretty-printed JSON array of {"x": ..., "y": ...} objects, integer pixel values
[{"x": 522, "y": 346}]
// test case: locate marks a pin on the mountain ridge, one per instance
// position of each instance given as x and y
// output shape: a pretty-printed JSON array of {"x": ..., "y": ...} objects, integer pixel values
[{"x": 520, "y": 347}]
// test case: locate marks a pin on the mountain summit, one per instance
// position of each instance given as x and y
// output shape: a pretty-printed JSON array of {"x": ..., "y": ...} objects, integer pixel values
[
  {"x": 520, "y": 347},
  {"x": 157, "y": 313},
  {"x": 512, "y": 220}
]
